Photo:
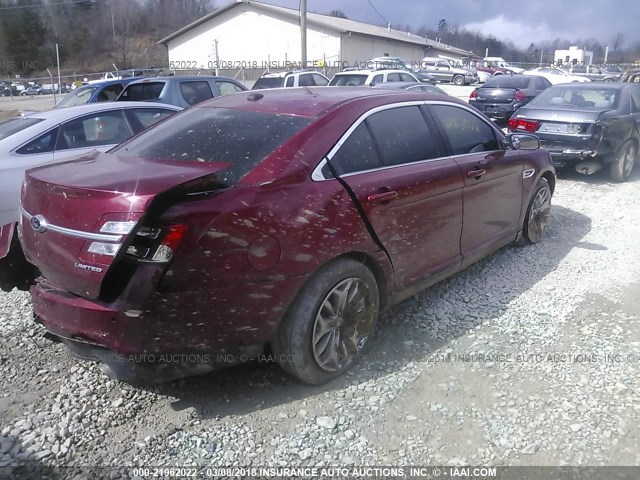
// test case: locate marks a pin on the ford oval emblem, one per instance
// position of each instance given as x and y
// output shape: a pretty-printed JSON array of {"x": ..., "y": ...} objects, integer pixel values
[{"x": 39, "y": 223}]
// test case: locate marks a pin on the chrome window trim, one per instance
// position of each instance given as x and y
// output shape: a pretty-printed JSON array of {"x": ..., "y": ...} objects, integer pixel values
[
  {"x": 317, "y": 176},
  {"x": 98, "y": 237}
]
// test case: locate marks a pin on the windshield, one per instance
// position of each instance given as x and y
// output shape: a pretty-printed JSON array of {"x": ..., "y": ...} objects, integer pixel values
[
  {"x": 268, "y": 82},
  {"x": 216, "y": 135},
  {"x": 16, "y": 125},
  {"x": 348, "y": 80},
  {"x": 507, "y": 81},
  {"x": 583, "y": 98},
  {"x": 80, "y": 96}
]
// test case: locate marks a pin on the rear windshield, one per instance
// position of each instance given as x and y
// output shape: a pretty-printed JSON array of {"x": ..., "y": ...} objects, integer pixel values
[
  {"x": 79, "y": 96},
  {"x": 268, "y": 82},
  {"x": 16, "y": 125},
  {"x": 216, "y": 135},
  {"x": 583, "y": 98},
  {"x": 139, "y": 92},
  {"x": 507, "y": 81},
  {"x": 348, "y": 80}
]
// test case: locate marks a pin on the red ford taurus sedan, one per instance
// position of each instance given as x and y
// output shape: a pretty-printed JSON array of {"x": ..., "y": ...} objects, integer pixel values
[{"x": 287, "y": 218}]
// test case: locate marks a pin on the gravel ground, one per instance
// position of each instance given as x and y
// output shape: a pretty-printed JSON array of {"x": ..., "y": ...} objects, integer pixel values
[{"x": 530, "y": 357}]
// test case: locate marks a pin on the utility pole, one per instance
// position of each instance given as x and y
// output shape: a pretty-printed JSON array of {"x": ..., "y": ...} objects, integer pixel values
[
  {"x": 303, "y": 31},
  {"x": 58, "y": 61}
]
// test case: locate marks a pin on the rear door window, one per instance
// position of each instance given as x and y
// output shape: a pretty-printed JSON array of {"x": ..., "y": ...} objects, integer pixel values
[
  {"x": 195, "y": 91},
  {"x": 394, "y": 77},
  {"x": 403, "y": 136},
  {"x": 104, "y": 128},
  {"x": 227, "y": 88},
  {"x": 142, "y": 91},
  {"x": 320, "y": 80},
  {"x": 43, "y": 144},
  {"x": 464, "y": 131},
  {"x": 405, "y": 77},
  {"x": 149, "y": 116},
  {"x": 110, "y": 92},
  {"x": 357, "y": 153},
  {"x": 290, "y": 81}
]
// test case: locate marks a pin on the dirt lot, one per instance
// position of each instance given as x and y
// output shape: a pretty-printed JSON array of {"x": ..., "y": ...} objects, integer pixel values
[{"x": 530, "y": 357}]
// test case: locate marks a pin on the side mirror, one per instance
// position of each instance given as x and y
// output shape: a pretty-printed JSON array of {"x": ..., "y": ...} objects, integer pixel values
[{"x": 522, "y": 141}]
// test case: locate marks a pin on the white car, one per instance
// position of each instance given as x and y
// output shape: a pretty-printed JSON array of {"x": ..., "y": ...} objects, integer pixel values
[
  {"x": 58, "y": 135},
  {"x": 301, "y": 78},
  {"x": 555, "y": 75},
  {"x": 356, "y": 78}
]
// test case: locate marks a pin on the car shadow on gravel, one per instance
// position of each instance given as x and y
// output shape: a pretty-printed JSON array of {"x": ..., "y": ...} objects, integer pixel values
[
  {"x": 599, "y": 178},
  {"x": 408, "y": 332}
]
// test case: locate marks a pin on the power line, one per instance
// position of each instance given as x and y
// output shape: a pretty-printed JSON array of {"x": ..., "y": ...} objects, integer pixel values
[
  {"x": 44, "y": 5},
  {"x": 387, "y": 22}
]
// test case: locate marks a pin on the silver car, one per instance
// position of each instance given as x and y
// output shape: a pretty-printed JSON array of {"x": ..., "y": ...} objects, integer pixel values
[{"x": 59, "y": 135}]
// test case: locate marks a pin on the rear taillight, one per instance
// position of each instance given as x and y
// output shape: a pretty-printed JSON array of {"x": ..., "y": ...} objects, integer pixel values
[
  {"x": 473, "y": 95},
  {"x": 519, "y": 96},
  {"x": 157, "y": 245},
  {"x": 113, "y": 229},
  {"x": 523, "y": 125}
]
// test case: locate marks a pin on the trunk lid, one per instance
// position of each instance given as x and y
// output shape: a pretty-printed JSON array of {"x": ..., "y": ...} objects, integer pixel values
[
  {"x": 65, "y": 205},
  {"x": 556, "y": 115},
  {"x": 495, "y": 95}
]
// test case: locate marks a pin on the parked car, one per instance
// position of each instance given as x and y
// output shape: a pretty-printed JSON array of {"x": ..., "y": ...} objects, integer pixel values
[
  {"x": 445, "y": 72},
  {"x": 304, "y": 78},
  {"x": 502, "y": 95},
  {"x": 52, "y": 137},
  {"x": 589, "y": 126},
  {"x": 555, "y": 75},
  {"x": 30, "y": 91},
  {"x": 266, "y": 218},
  {"x": 484, "y": 70},
  {"x": 395, "y": 63},
  {"x": 632, "y": 76},
  {"x": 94, "y": 93},
  {"x": 411, "y": 87},
  {"x": 358, "y": 78},
  {"x": 501, "y": 64},
  {"x": 595, "y": 74},
  {"x": 182, "y": 91}
]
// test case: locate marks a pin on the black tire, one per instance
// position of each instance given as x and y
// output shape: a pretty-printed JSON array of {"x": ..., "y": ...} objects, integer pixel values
[
  {"x": 294, "y": 343},
  {"x": 458, "y": 80},
  {"x": 622, "y": 166},
  {"x": 15, "y": 270},
  {"x": 538, "y": 211}
]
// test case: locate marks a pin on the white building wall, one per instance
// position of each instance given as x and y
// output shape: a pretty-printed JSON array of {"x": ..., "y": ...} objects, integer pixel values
[
  {"x": 574, "y": 54},
  {"x": 251, "y": 39},
  {"x": 358, "y": 48}
]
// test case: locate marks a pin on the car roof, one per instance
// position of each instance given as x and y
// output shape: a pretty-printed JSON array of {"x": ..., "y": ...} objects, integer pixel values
[
  {"x": 284, "y": 74},
  {"x": 591, "y": 85},
  {"x": 370, "y": 71},
  {"x": 179, "y": 77},
  {"x": 312, "y": 101},
  {"x": 97, "y": 107},
  {"x": 397, "y": 85}
]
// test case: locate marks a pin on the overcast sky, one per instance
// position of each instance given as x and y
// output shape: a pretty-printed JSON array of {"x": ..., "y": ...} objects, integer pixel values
[{"x": 521, "y": 22}]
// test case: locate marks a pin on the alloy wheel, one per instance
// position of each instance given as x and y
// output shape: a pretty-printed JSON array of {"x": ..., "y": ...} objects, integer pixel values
[
  {"x": 343, "y": 324},
  {"x": 539, "y": 214}
]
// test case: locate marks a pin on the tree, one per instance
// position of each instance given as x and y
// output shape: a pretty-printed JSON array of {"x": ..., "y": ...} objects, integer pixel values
[
  {"x": 618, "y": 40},
  {"x": 337, "y": 13},
  {"x": 443, "y": 26}
]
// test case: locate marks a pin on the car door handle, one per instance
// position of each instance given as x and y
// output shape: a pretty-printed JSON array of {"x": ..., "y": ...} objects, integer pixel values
[
  {"x": 382, "y": 197},
  {"x": 476, "y": 173}
]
